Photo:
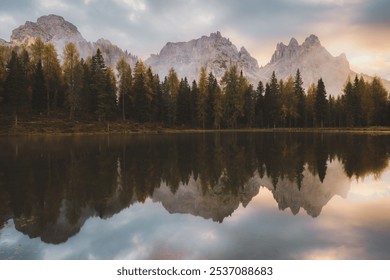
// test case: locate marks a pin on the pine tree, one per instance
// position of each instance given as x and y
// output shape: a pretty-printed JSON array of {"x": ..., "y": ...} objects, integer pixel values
[
  {"x": 38, "y": 99},
  {"x": 37, "y": 51},
  {"x": 73, "y": 78},
  {"x": 183, "y": 103},
  {"x": 194, "y": 102},
  {"x": 249, "y": 107},
  {"x": 234, "y": 87},
  {"x": 124, "y": 87},
  {"x": 16, "y": 86},
  {"x": 259, "y": 107},
  {"x": 321, "y": 104},
  {"x": 108, "y": 102},
  {"x": 202, "y": 98},
  {"x": 349, "y": 104},
  {"x": 173, "y": 89},
  {"x": 310, "y": 104},
  {"x": 300, "y": 97},
  {"x": 52, "y": 71},
  {"x": 379, "y": 97},
  {"x": 98, "y": 85},
  {"x": 4, "y": 56},
  {"x": 214, "y": 103},
  {"x": 289, "y": 102},
  {"x": 272, "y": 102},
  {"x": 142, "y": 93}
]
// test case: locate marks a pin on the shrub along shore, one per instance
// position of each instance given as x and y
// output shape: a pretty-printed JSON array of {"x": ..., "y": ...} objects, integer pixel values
[{"x": 62, "y": 126}]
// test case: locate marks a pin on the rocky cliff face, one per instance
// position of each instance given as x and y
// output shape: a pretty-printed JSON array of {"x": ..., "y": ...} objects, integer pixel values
[
  {"x": 313, "y": 61},
  {"x": 56, "y": 30},
  {"x": 215, "y": 52}
]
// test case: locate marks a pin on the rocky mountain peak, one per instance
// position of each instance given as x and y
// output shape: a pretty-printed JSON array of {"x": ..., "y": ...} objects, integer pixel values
[
  {"x": 56, "y": 30},
  {"x": 51, "y": 28},
  {"x": 314, "y": 62},
  {"x": 293, "y": 43},
  {"x": 311, "y": 41},
  {"x": 215, "y": 52}
]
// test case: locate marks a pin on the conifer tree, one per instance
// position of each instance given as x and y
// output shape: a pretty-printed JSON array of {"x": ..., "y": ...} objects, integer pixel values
[
  {"x": 379, "y": 97},
  {"x": 310, "y": 104},
  {"x": 183, "y": 102},
  {"x": 107, "y": 103},
  {"x": 349, "y": 104},
  {"x": 259, "y": 107},
  {"x": 142, "y": 93},
  {"x": 38, "y": 98},
  {"x": 73, "y": 78},
  {"x": 194, "y": 102},
  {"x": 271, "y": 101},
  {"x": 234, "y": 87},
  {"x": 124, "y": 87},
  {"x": 173, "y": 89},
  {"x": 52, "y": 71},
  {"x": 321, "y": 103},
  {"x": 300, "y": 97},
  {"x": 249, "y": 107},
  {"x": 37, "y": 51},
  {"x": 16, "y": 86},
  {"x": 4, "y": 56},
  {"x": 214, "y": 102},
  {"x": 202, "y": 98}
]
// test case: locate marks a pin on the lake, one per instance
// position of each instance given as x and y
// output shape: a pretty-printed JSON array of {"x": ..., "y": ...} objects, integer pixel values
[{"x": 243, "y": 195}]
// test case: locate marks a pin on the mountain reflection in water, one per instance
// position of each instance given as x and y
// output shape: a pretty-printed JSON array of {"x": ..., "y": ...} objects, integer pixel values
[{"x": 50, "y": 186}]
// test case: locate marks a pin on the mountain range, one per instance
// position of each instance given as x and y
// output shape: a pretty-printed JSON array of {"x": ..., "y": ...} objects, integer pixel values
[{"x": 214, "y": 52}]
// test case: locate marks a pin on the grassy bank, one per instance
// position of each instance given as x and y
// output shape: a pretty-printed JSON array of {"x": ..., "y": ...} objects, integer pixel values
[{"x": 62, "y": 126}]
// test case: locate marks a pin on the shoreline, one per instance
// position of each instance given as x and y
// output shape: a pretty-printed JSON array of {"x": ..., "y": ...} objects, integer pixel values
[{"x": 61, "y": 127}]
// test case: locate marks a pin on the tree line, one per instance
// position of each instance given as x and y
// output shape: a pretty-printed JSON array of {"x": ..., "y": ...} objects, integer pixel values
[{"x": 34, "y": 82}]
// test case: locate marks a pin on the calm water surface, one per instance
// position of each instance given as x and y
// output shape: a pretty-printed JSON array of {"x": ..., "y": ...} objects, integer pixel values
[{"x": 195, "y": 196}]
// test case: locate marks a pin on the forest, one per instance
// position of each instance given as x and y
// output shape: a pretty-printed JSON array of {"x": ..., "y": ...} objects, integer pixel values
[{"x": 33, "y": 82}]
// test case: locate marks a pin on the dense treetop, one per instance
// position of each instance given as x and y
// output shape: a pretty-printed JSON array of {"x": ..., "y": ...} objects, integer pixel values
[{"x": 33, "y": 81}]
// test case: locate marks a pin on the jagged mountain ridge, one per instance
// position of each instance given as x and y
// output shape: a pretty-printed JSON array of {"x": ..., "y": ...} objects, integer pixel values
[
  {"x": 56, "y": 30},
  {"x": 215, "y": 53},
  {"x": 314, "y": 62}
]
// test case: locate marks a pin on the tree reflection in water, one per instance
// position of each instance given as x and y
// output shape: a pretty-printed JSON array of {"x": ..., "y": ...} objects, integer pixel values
[{"x": 50, "y": 186}]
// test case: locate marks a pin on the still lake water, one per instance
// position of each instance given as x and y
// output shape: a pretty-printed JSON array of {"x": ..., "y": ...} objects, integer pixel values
[{"x": 196, "y": 196}]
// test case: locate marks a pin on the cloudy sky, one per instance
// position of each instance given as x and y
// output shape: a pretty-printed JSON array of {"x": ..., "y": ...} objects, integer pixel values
[{"x": 359, "y": 28}]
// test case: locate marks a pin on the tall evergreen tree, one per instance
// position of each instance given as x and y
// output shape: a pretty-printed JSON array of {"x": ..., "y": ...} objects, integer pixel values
[
  {"x": 16, "y": 86},
  {"x": 234, "y": 87},
  {"x": 321, "y": 104},
  {"x": 214, "y": 102},
  {"x": 288, "y": 102},
  {"x": 379, "y": 97},
  {"x": 249, "y": 107},
  {"x": 184, "y": 103},
  {"x": 271, "y": 101},
  {"x": 52, "y": 71},
  {"x": 73, "y": 78},
  {"x": 310, "y": 106},
  {"x": 202, "y": 98},
  {"x": 259, "y": 107},
  {"x": 38, "y": 98},
  {"x": 142, "y": 93},
  {"x": 173, "y": 89},
  {"x": 4, "y": 57},
  {"x": 124, "y": 87},
  {"x": 194, "y": 102},
  {"x": 300, "y": 97}
]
